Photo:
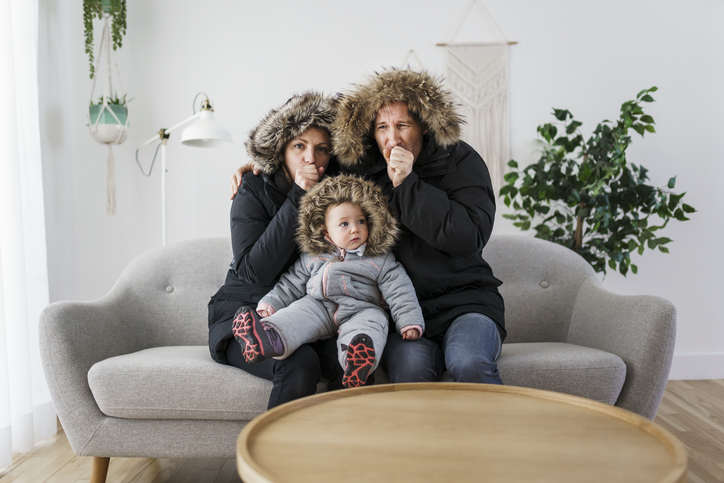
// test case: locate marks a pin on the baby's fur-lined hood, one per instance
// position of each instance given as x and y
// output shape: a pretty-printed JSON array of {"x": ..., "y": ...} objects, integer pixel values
[
  {"x": 268, "y": 140},
  {"x": 381, "y": 224},
  {"x": 424, "y": 95}
]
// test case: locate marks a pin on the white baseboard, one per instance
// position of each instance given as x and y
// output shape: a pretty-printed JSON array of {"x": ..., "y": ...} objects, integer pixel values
[{"x": 697, "y": 366}]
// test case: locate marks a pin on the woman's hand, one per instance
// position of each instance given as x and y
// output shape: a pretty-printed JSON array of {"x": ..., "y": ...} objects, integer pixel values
[
  {"x": 410, "y": 333},
  {"x": 239, "y": 173},
  {"x": 307, "y": 176}
]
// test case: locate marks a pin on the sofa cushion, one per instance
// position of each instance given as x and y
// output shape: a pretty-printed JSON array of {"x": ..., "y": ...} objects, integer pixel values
[
  {"x": 179, "y": 382},
  {"x": 567, "y": 368},
  {"x": 183, "y": 382}
]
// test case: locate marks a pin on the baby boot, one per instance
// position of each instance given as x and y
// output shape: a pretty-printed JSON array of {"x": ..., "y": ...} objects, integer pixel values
[
  {"x": 258, "y": 342},
  {"x": 359, "y": 360}
]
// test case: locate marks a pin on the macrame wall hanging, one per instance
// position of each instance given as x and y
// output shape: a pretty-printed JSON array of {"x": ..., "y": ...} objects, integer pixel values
[
  {"x": 108, "y": 118},
  {"x": 477, "y": 76}
]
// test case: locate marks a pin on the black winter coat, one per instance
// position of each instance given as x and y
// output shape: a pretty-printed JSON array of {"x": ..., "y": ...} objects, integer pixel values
[
  {"x": 263, "y": 224},
  {"x": 446, "y": 207}
]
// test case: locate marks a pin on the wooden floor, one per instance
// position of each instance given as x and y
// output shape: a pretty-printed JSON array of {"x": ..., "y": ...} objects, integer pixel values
[{"x": 692, "y": 410}]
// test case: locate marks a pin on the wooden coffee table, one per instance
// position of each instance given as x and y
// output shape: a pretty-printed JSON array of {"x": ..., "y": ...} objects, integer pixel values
[{"x": 455, "y": 432}]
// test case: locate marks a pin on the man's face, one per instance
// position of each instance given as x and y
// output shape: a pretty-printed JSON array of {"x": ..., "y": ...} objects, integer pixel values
[{"x": 394, "y": 126}]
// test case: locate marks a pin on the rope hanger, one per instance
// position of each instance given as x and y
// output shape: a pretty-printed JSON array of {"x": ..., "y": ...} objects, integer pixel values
[{"x": 465, "y": 17}]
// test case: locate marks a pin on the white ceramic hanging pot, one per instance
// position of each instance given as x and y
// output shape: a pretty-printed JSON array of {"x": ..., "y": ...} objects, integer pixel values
[{"x": 108, "y": 123}]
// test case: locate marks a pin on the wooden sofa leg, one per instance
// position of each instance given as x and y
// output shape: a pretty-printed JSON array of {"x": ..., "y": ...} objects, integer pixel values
[{"x": 99, "y": 469}]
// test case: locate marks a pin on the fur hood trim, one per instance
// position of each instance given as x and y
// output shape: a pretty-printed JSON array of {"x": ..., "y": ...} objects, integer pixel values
[
  {"x": 425, "y": 97},
  {"x": 268, "y": 140},
  {"x": 381, "y": 224}
]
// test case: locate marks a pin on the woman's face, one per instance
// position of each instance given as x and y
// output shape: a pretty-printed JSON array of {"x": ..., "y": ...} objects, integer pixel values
[{"x": 312, "y": 147}]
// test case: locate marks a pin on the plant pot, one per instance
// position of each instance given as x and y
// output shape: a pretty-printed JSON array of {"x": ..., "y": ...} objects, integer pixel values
[
  {"x": 106, "y": 6},
  {"x": 107, "y": 129}
]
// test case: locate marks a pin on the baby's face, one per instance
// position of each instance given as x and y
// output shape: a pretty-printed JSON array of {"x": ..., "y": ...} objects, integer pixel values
[{"x": 346, "y": 226}]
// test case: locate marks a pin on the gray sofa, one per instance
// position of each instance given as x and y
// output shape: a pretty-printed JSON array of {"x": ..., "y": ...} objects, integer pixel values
[{"x": 130, "y": 374}]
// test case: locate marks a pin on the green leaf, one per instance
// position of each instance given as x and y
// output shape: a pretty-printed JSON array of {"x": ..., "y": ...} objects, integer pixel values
[
  {"x": 687, "y": 208},
  {"x": 647, "y": 98},
  {"x": 623, "y": 268},
  {"x": 513, "y": 163},
  {"x": 672, "y": 183},
  {"x": 634, "y": 269},
  {"x": 647, "y": 119},
  {"x": 650, "y": 128},
  {"x": 571, "y": 128},
  {"x": 639, "y": 128},
  {"x": 511, "y": 177},
  {"x": 663, "y": 249},
  {"x": 561, "y": 114}
]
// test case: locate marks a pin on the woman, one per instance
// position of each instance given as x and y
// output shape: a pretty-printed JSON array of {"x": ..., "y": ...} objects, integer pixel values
[{"x": 292, "y": 147}]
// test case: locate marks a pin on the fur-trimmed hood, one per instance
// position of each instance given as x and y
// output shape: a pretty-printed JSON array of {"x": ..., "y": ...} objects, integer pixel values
[
  {"x": 381, "y": 224},
  {"x": 267, "y": 141},
  {"x": 425, "y": 97}
]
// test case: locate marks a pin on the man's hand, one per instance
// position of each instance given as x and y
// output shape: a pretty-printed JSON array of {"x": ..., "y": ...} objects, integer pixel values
[
  {"x": 307, "y": 176},
  {"x": 410, "y": 333},
  {"x": 399, "y": 164},
  {"x": 236, "y": 177}
]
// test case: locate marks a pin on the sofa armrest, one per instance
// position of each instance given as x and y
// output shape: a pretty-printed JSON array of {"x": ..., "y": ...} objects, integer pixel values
[
  {"x": 639, "y": 329},
  {"x": 74, "y": 336}
]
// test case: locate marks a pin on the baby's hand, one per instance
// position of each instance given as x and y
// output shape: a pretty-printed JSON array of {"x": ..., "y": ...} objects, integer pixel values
[
  {"x": 410, "y": 333},
  {"x": 265, "y": 310}
]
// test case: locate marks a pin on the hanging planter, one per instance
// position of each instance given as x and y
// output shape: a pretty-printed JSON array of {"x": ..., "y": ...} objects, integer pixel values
[
  {"x": 109, "y": 123},
  {"x": 108, "y": 118}
]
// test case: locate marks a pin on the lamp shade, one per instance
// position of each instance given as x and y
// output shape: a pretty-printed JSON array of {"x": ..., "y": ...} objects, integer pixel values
[{"x": 206, "y": 133}]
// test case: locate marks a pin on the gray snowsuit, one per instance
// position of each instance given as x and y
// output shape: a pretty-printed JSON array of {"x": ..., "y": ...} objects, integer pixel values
[{"x": 343, "y": 291}]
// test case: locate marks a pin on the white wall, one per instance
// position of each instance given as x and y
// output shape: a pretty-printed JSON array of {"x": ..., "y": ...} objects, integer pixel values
[{"x": 588, "y": 57}]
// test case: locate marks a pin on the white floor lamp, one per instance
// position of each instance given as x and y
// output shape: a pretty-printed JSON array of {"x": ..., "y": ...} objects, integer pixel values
[{"x": 203, "y": 133}]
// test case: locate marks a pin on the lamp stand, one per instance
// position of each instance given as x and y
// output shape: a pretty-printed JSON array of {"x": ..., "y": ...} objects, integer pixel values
[{"x": 203, "y": 132}]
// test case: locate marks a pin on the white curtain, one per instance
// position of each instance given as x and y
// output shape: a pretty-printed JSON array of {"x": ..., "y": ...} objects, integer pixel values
[{"x": 26, "y": 411}]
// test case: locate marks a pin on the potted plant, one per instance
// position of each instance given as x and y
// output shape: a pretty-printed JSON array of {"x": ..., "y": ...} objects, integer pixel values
[
  {"x": 585, "y": 195},
  {"x": 109, "y": 119},
  {"x": 97, "y": 8}
]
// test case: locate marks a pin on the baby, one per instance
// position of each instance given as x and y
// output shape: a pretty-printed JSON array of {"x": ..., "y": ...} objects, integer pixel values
[{"x": 345, "y": 274}]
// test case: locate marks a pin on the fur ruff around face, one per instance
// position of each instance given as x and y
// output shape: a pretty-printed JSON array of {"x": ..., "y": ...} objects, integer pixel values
[
  {"x": 381, "y": 224},
  {"x": 424, "y": 95},
  {"x": 267, "y": 141}
]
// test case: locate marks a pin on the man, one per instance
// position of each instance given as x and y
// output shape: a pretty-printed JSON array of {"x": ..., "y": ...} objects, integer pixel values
[{"x": 400, "y": 129}]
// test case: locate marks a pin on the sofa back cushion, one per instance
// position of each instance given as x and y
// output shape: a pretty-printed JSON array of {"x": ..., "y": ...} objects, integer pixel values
[
  {"x": 172, "y": 286},
  {"x": 540, "y": 283}
]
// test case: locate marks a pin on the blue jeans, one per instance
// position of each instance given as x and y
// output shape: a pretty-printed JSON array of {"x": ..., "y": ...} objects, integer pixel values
[{"x": 468, "y": 351}]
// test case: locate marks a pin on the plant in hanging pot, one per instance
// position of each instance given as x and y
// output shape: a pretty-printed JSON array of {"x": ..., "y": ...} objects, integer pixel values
[
  {"x": 97, "y": 8},
  {"x": 109, "y": 118},
  {"x": 585, "y": 195}
]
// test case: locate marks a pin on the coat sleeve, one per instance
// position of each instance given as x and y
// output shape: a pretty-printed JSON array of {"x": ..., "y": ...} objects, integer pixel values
[
  {"x": 262, "y": 242},
  {"x": 397, "y": 290},
  {"x": 290, "y": 287},
  {"x": 457, "y": 215}
]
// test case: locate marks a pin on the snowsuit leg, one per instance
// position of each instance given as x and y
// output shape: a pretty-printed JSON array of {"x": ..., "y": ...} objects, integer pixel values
[
  {"x": 305, "y": 320},
  {"x": 370, "y": 321}
]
